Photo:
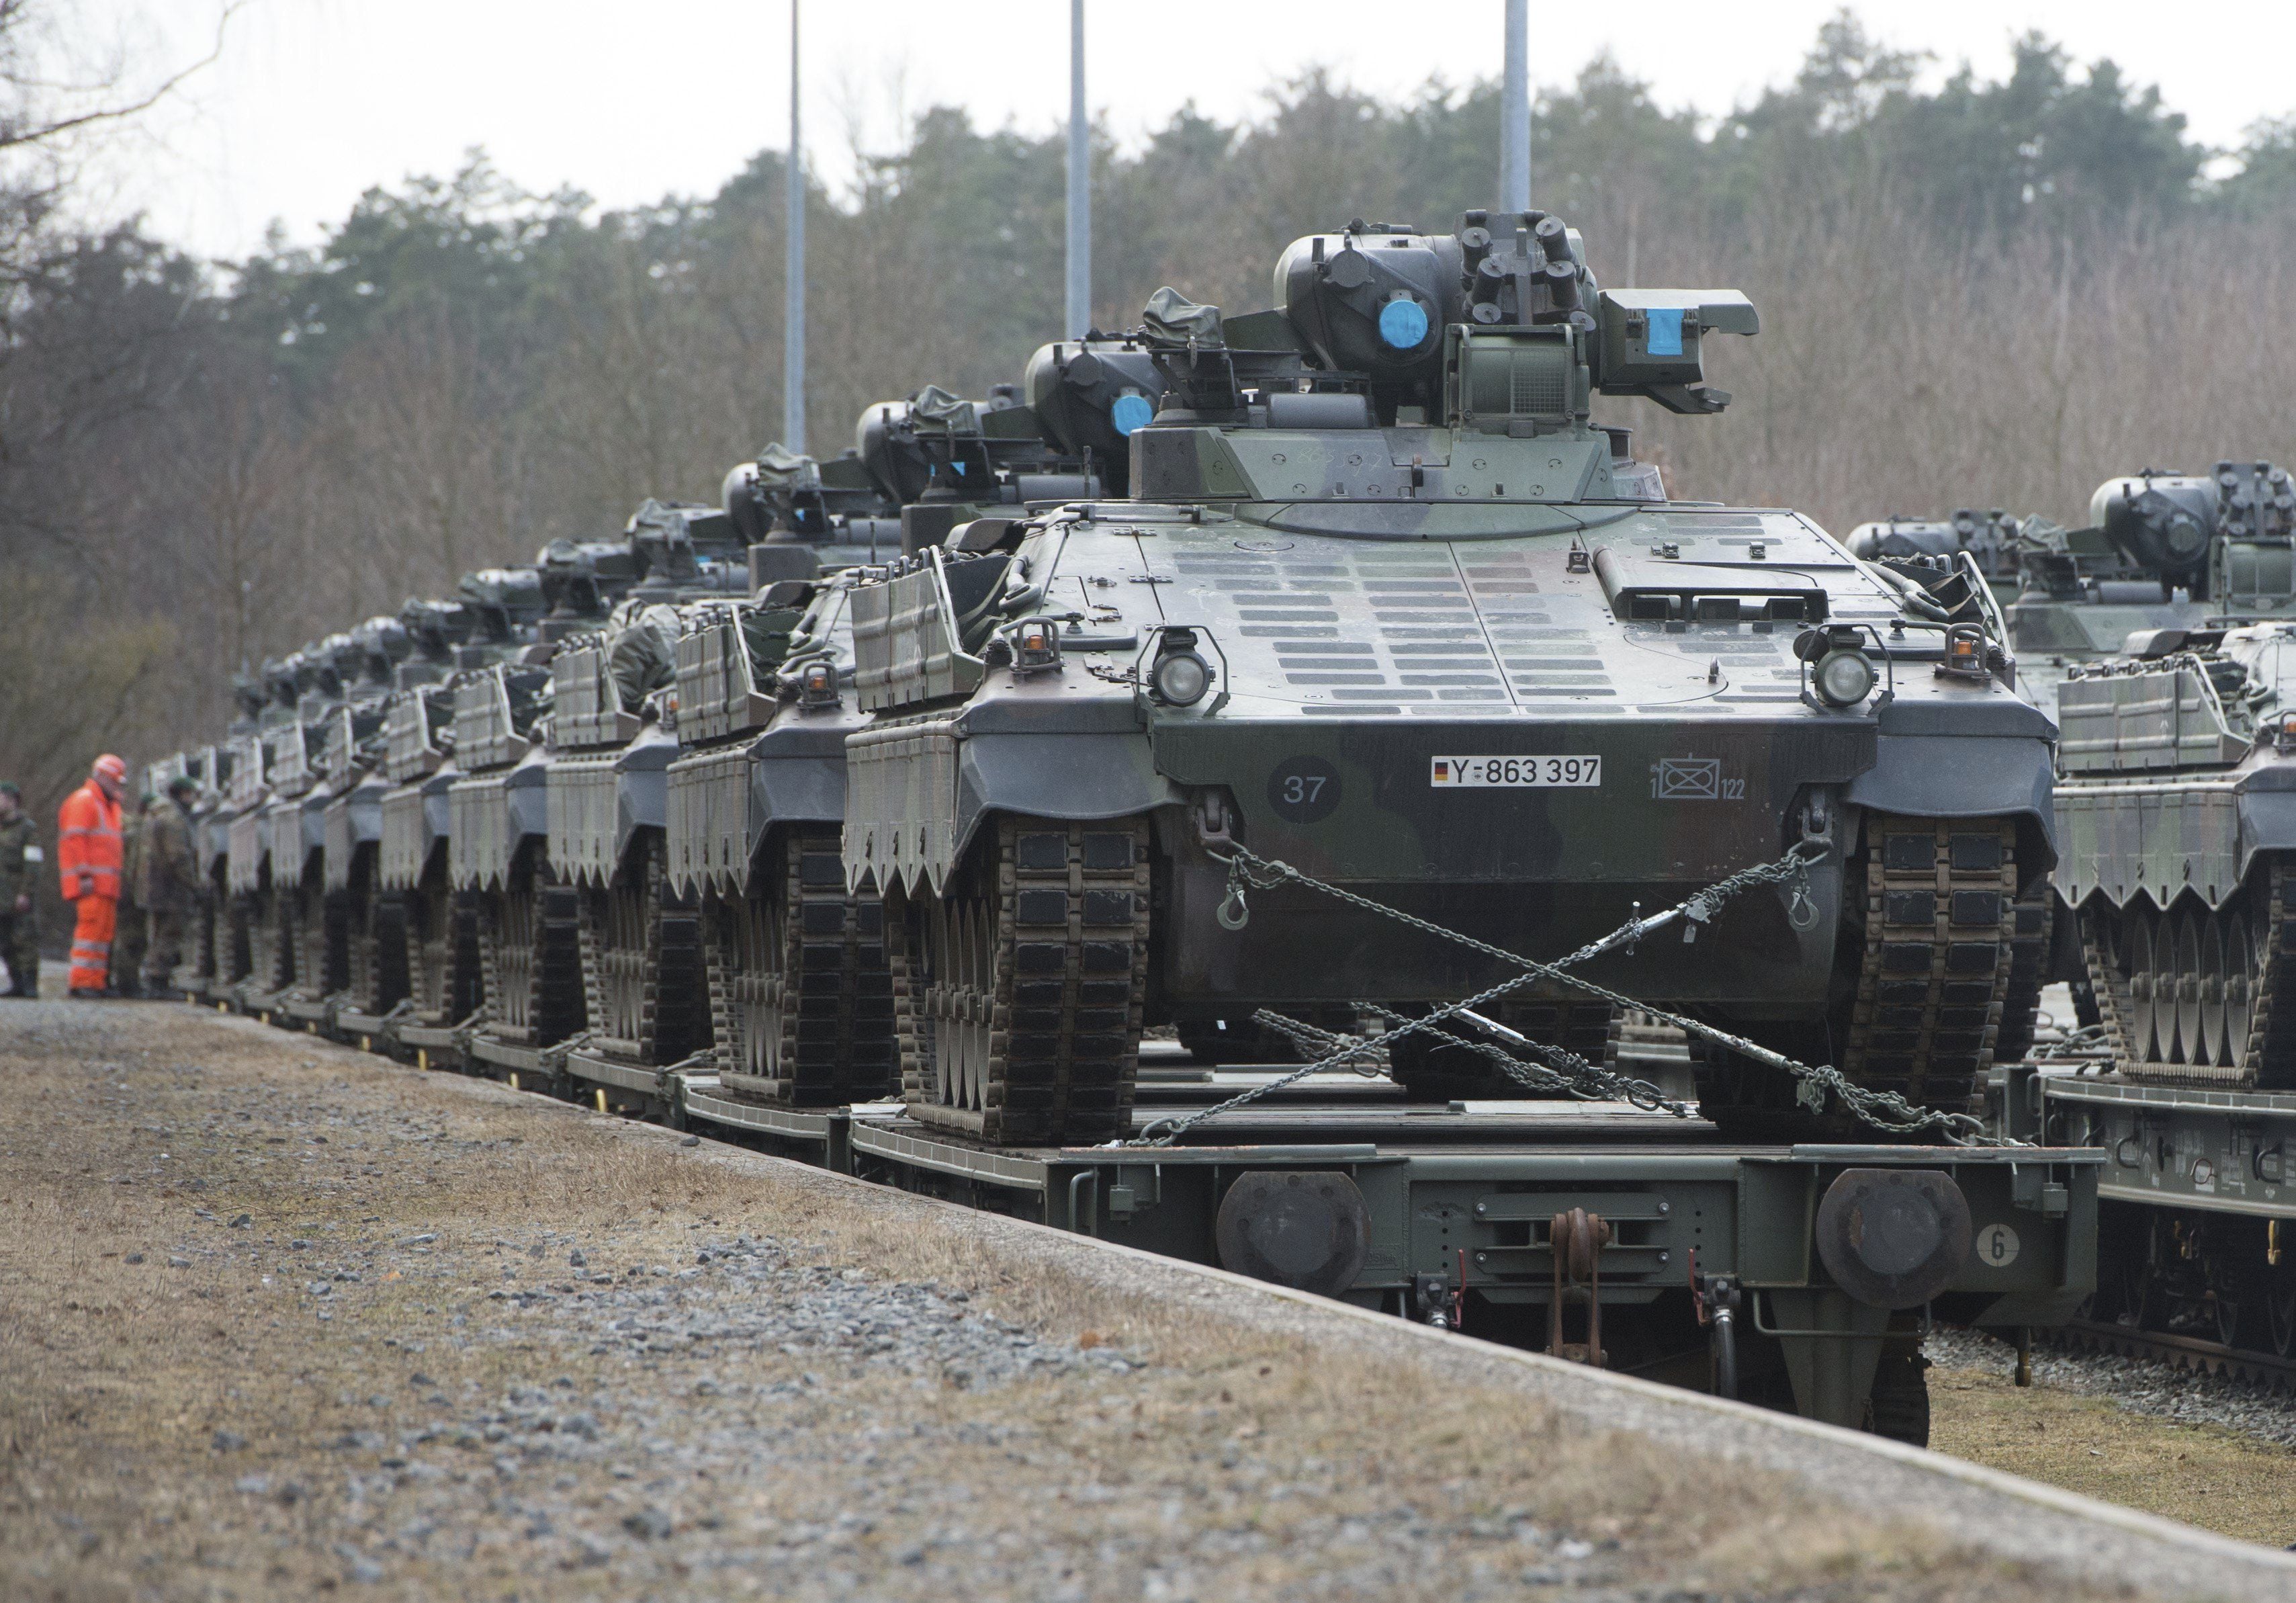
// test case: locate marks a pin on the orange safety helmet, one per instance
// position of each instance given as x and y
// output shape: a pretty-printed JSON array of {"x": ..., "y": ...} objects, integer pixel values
[{"x": 108, "y": 766}]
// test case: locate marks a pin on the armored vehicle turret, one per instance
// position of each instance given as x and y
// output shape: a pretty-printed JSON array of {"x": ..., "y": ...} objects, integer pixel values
[
  {"x": 801, "y": 518},
  {"x": 1992, "y": 539},
  {"x": 1388, "y": 604},
  {"x": 944, "y": 460},
  {"x": 2149, "y": 558},
  {"x": 1092, "y": 396}
]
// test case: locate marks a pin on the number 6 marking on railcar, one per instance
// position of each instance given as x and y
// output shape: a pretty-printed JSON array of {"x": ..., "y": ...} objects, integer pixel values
[{"x": 1997, "y": 1247}]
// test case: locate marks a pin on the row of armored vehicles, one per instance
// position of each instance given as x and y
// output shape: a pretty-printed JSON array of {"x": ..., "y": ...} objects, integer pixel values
[
  {"x": 456, "y": 816},
  {"x": 1269, "y": 671}
]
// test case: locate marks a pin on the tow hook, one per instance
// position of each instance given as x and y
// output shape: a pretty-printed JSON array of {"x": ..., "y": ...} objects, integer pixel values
[
  {"x": 1575, "y": 1241},
  {"x": 1215, "y": 824}
]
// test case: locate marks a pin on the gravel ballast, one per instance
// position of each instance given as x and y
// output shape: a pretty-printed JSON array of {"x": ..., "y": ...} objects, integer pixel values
[{"x": 283, "y": 1318}]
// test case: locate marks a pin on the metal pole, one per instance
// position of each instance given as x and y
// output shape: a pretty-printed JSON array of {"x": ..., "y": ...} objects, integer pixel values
[
  {"x": 794, "y": 338},
  {"x": 1514, "y": 111},
  {"x": 1079, "y": 320}
]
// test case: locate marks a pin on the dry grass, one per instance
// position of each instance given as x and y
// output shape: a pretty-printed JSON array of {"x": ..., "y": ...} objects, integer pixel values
[
  {"x": 115, "y": 1377},
  {"x": 2205, "y": 1476}
]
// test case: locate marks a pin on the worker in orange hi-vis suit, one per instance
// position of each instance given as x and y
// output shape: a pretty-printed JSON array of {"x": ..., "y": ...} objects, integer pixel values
[{"x": 88, "y": 860}]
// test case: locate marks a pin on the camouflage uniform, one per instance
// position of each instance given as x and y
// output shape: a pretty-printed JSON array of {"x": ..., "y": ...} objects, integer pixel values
[
  {"x": 169, "y": 889},
  {"x": 128, "y": 945},
  {"x": 20, "y": 932}
]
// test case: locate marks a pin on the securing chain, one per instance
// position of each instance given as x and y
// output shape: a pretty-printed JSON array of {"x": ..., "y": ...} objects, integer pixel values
[
  {"x": 1883, "y": 1110},
  {"x": 1558, "y": 1071}
]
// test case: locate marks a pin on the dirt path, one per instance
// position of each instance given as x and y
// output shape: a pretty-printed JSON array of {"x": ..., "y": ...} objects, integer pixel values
[{"x": 276, "y": 1318}]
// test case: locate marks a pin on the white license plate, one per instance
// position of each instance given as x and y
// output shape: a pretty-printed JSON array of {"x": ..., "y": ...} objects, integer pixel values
[{"x": 1515, "y": 773}]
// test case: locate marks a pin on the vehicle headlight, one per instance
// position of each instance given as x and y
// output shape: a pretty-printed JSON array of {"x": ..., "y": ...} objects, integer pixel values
[
  {"x": 1844, "y": 677},
  {"x": 1180, "y": 678}
]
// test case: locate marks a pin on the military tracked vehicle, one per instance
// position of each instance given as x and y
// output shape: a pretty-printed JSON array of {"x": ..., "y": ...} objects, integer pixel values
[
  {"x": 496, "y": 854},
  {"x": 1389, "y": 606},
  {"x": 441, "y": 928},
  {"x": 352, "y": 943},
  {"x": 800, "y": 995},
  {"x": 205, "y": 766},
  {"x": 452, "y": 707},
  {"x": 799, "y": 987},
  {"x": 582, "y": 877},
  {"x": 2173, "y": 762},
  {"x": 274, "y": 831},
  {"x": 612, "y": 738}
]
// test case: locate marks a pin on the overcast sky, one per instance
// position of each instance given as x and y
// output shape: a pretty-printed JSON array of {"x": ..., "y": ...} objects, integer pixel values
[{"x": 314, "y": 100}]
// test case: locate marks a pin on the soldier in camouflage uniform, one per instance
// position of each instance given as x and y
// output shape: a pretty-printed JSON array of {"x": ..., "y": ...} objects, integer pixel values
[
  {"x": 169, "y": 889},
  {"x": 128, "y": 945},
  {"x": 20, "y": 909}
]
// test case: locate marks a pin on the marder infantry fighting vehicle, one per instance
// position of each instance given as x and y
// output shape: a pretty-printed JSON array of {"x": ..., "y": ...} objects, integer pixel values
[
  {"x": 462, "y": 694},
  {"x": 798, "y": 986},
  {"x": 1389, "y": 606},
  {"x": 275, "y": 830},
  {"x": 2177, "y": 806},
  {"x": 196, "y": 969},
  {"x": 441, "y": 928},
  {"x": 497, "y": 856},
  {"x": 801, "y": 994},
  {"x": 362, "y": 960},
  {"x": 611, "y": 738}
]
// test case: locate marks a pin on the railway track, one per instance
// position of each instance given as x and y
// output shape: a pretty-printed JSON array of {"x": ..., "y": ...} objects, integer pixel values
[{"x": 2186, "y": 1353}]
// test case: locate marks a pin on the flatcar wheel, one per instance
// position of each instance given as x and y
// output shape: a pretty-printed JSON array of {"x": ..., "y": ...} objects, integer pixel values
[
  {"x": 2139, "y": 1274},
  {"x": 2280, "y": 1305},
  {"x": 2143, "y": 981},
  {"x": 2213, "y": 991},
  {"x": 2227, "y": 1310},
  {"x": 2239, "y": 989},
  {"x": 1899, "y": 1406},
  {"x": 2188, "y": 1047}
]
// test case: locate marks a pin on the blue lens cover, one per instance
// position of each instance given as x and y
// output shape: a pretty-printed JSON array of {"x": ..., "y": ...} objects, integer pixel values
[{"x": 1403, "y": 323}]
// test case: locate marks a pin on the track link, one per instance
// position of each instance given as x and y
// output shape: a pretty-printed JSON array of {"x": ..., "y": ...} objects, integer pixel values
[
  {"x": 1940, "y": 924},
  {"x": 800, "y": 992},
  {"x": 531, "y": 958},
  {"x": 641, "y": 968},
  {"x": 1020, "y": 990},
  {"x": 2260, "y": 920}
]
